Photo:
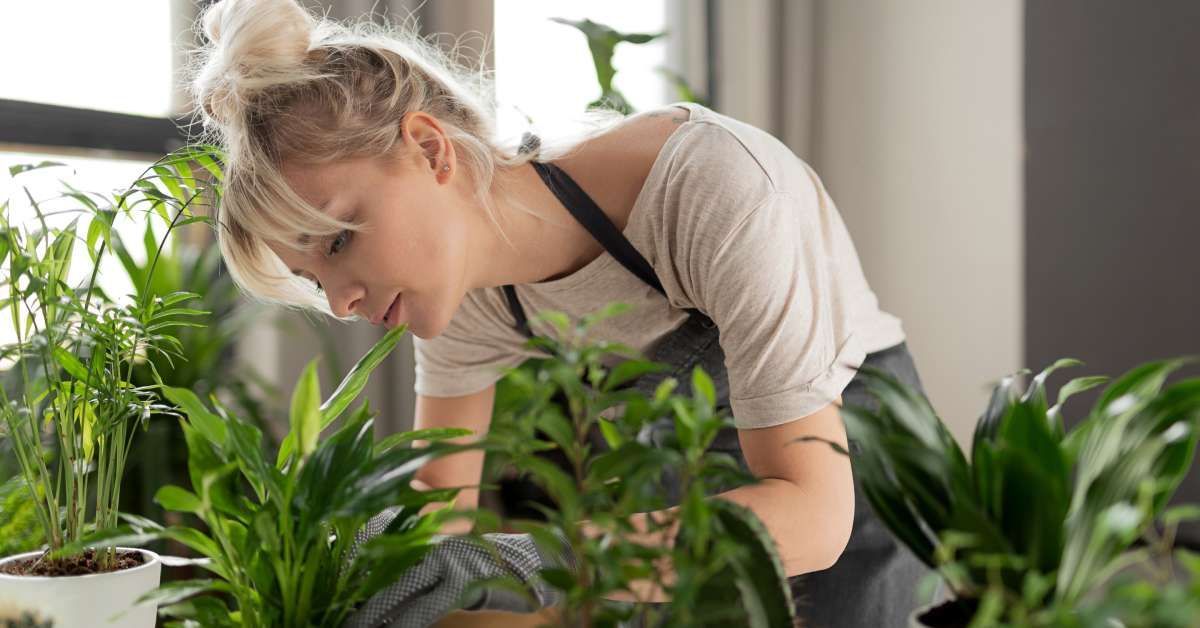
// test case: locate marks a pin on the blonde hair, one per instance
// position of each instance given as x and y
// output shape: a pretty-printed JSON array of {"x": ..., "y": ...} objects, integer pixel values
[{"x": 273, "y": 83}]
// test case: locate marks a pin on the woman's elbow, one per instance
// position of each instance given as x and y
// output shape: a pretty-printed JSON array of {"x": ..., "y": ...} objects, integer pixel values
[{"x": 841, "y": 526}]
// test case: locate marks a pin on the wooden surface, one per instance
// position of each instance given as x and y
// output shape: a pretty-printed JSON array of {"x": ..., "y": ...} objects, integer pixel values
[{"x": 497, "y": 619}]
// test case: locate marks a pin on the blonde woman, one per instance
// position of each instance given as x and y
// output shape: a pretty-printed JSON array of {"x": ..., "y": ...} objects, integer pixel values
[{"x": 365, "y": 180}]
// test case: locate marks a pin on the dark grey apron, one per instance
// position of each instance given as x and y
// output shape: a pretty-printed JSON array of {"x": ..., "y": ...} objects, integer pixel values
[{"x": 873, "y": 584}]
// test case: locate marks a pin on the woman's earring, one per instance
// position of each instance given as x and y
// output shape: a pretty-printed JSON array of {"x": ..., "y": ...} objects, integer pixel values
[{"x": 446, "y": 168}]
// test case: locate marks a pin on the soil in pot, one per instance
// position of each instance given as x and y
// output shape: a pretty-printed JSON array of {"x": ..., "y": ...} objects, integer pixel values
[
  {"x": 79, "y": 565},
  {"x": 949, "y": 614}
]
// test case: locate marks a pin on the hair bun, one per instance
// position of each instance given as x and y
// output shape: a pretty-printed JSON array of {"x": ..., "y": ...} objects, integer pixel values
[{"x": 252, "y": 45}]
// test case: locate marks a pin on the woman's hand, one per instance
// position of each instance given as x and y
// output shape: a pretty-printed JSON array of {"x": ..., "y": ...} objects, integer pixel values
[{"x": 435, "y": 586}]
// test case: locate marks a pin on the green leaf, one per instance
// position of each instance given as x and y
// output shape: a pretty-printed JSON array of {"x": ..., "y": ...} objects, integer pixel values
[
  {"x": 612, "y": 436},
  {"x": 702, "y": 385},
  {"x": 349, "y": 388},
  {"x": 19, "y": 168},
  {"x": 763, "y": 567},
  {"x": 71, "y": 364},
  {"x": 209, "y": 425},
  {"x": 172, "y": 592},
  {"x": 177, "y": 499},
  {"x": 306, "y": 413},
  {"x": 1181, "y": 513},
  {"x": 209, "y": 164},
  {"x": 168, "y": 179},
  {"x": 433, "y": 433},
  {"x": 630, "y": 370}
]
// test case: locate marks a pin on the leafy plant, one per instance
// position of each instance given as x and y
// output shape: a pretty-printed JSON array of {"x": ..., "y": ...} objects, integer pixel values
[
  {"x": 602, "y": 42},
  {"x": 20, "y": 530},
  {"x": 1038, "y": 517},
  {"x": 192, "y": 267},
  {"x": 281, "y": 537},
  {"x": 726, "y": 570},
  {"x": 1157, "y": 586},
  {"x": 76, "y": 347}
]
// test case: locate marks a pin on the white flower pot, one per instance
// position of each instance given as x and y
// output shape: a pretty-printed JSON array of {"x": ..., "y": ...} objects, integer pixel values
[{"x": 89, "y": 601}]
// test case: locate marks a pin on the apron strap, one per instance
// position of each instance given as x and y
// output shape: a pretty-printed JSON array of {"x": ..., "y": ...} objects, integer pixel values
[
  {"x": 588, "y": 214},
  {"x": 597, "y": 223}
]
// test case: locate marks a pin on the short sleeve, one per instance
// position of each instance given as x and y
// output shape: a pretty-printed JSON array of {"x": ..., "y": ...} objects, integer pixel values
[
  {"x": 467, "y": 356},
  {"x": 769, "y": 285}
]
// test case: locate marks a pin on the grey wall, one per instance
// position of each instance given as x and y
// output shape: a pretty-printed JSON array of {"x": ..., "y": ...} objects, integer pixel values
[
  {"x": 917, "y": 136},
  {"x": 1112, "y": 171}
]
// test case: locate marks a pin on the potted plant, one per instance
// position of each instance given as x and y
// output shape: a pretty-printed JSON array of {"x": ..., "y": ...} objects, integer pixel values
[
  {"x": 280, "y": 537},
  {"x": 1160, "y": 587},
  {"x": 68, "y": 406},
  {"x": 1038, "y": 518},
  {"x": 723, "y": 569}
]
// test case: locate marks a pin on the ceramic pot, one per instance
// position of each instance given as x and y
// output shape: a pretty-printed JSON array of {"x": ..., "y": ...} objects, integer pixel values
[{"x": 94, "y": 600}]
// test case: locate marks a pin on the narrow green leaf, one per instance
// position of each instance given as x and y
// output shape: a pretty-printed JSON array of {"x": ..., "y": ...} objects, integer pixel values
[
  {"x": 71, "y": 364},
  {"x": 431, "y": 434}
]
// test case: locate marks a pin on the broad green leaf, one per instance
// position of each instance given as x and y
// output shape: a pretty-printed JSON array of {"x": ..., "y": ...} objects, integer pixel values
[
  {"x": 306, "y": 413},
  {"x": 630, "y": 370},
  {"x": 177, "y": 499},
  {"x": 349, "y": 388},
  {"x": 209, "y": 425}
]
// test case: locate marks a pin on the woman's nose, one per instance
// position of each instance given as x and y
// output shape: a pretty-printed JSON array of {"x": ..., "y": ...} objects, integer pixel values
[{"x": 345, "y": 300}]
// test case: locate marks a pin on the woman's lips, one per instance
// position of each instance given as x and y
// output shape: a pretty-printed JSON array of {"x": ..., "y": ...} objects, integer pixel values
[{"x": 389, "y": 319}]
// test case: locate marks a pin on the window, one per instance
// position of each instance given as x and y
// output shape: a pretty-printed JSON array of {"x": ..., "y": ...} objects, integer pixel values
[
  {"x": 544, "y": 69},
  {"x": 109, "y": 56},
  {"x": 87, "y": 174}
]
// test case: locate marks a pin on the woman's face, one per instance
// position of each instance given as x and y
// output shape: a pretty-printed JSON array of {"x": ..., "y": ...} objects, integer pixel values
[{"x": 413, "y": 248}]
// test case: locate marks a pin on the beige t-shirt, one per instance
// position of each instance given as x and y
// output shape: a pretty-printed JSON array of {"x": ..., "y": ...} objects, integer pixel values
[{"x": 735, "y": 225}]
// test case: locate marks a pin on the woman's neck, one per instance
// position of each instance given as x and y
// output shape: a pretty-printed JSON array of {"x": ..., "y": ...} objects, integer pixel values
[{"x": 546, "y": 245}]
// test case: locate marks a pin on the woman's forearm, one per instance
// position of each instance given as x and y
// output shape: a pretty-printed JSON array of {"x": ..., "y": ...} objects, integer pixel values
[{"x": 808, "y": 534}]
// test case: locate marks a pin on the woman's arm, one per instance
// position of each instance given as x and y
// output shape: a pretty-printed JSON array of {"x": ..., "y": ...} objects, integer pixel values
[
  {"x": 804, "y": 497},
  {"x": 473, "y": 412}
]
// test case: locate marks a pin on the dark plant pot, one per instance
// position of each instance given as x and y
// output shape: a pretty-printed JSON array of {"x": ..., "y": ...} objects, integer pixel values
[{"x": 947, "y": 614}]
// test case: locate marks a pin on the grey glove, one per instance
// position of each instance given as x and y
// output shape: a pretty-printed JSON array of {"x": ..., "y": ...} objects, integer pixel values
[{"x": 435, "y": 586}]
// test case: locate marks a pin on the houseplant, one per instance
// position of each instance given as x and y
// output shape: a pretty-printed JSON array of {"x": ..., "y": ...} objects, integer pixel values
[
  {"x": 724, "y": 568},
  {"x": 280, "y": 536},
  {"x": 1035, "y": 521},
  {"x": 193, "y": 265},
  {"x": 69, "y": 408}
]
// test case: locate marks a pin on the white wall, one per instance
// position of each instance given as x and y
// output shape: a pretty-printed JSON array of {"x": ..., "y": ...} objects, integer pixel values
[{"x": 917, "y": 135}]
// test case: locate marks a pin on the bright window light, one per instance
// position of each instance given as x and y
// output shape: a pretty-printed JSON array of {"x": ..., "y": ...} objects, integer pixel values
[
  {"x": 113, "y": 55},
  {"x": 545, "y": 71},
  {"x": 86, "y": 174}
]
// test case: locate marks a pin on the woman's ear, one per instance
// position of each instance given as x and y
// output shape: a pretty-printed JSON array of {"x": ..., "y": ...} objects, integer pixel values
[{"x": 429, "y": 144}]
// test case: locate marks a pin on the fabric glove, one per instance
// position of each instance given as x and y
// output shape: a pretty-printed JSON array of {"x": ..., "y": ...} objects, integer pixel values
[{"x": 435, "y": 586}]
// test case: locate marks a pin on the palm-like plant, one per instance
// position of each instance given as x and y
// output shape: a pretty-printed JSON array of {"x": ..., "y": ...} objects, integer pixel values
[
  {"x": 76, "y": 347},
  {"x": 195, "y": 268},
  {"x": 1037, "y": 517}
]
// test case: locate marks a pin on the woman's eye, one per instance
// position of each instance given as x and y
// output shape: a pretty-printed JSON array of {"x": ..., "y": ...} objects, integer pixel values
[{"x": 339, "y": 242}]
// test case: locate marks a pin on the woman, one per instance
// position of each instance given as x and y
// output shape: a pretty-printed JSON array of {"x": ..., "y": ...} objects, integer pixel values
[{"x": 363, "y": 179}]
